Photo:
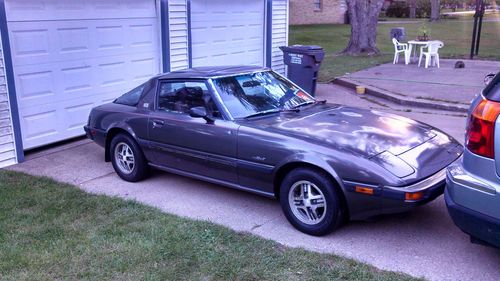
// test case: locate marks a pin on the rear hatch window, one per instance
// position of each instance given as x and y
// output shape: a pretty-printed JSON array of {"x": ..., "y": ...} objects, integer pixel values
[
  {"x": 492, "y": 91},
  {"x": 131, "y": 98}
]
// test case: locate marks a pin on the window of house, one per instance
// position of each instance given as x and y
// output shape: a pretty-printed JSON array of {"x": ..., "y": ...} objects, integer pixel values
[{"x": 317, "y": 5}]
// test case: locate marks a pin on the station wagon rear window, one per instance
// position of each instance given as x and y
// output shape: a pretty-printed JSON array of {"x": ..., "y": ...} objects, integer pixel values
[{"x": 492, "y": 91}]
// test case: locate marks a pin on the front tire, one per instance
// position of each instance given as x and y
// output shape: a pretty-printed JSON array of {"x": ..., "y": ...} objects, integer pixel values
[
  {"x": 127, "y": 158},
  {"x": 310, "y": 201}
]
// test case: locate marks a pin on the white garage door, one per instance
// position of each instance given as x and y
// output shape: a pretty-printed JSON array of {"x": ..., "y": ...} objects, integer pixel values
[
  {"x": 71, "y": 55},
  {"x": 227, "y": 32}
]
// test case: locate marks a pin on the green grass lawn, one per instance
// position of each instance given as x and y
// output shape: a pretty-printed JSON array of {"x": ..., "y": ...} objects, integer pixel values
[
  {"x": 455, "y": 34},
  {"x": 50, "y": 230}
]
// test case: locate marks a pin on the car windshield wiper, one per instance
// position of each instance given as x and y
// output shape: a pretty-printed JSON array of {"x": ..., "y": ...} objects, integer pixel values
[
  {"x": 271, "y": 111},
  {"x": 304, "y": 103}
]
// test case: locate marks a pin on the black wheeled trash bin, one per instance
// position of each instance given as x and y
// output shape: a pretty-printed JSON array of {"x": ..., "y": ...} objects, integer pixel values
[
  {"x": 303, "y": 64},
  {"x": 398, "y": 33}
]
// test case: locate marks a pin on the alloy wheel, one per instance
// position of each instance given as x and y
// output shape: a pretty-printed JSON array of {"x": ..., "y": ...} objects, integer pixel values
[
  {"x": 307, "y": 202},
  {"x": 124, "y": 158}
]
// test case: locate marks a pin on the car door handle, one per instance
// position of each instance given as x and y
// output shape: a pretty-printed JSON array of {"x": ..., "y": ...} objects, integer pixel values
[{"x": 158, "y": 123}]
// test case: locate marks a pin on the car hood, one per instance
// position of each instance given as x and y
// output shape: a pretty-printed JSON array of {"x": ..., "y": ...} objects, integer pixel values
[{"x": 349, "y": 129}]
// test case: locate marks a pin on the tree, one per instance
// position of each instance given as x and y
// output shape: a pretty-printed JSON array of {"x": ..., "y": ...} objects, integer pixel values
[
  {"x": 363, "y": 15},
  {"x": 413, "y": 8},
  {"x": 453, "y": 4},
  {"x": 435, "y": 10}
]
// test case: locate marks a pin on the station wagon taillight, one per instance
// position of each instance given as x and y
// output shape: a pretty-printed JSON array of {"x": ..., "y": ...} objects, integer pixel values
[{"x": 480, "y": 136}]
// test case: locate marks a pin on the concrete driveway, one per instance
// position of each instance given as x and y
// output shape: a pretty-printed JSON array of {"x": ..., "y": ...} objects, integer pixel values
[{"x": 422, "y": 243}]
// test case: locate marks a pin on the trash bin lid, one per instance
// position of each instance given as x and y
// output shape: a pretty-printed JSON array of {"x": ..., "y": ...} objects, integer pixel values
[
  {"x": 398, "y": 29},
  {"x": 302, "y": 49},
  {"x": 398, "y": 33}
]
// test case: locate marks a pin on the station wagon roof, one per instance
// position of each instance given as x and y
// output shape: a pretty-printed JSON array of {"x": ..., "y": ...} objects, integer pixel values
[{"x": 206, "y": 72}]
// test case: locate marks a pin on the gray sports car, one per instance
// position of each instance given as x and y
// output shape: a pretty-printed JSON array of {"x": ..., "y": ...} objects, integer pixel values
[{"x": 251, "y": 129}]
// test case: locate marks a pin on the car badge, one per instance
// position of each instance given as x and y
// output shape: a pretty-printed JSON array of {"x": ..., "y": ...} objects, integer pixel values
[{"x": 259, "y": 158}]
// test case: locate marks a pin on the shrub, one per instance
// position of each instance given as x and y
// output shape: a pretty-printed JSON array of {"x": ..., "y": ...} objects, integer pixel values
[
  {"x": 423, "y": 9},
  {"x": 402, "y": 9},
  {"x": 398, "y": 10}
]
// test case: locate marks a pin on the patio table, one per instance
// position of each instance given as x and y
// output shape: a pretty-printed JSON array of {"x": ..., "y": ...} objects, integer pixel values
[{"x": 416, "y": 43}]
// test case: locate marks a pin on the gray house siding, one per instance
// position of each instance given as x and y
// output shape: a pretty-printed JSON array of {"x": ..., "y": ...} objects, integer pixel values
[
  {"x": 7, "y": 144},
  {"x": 178, "y": 21}
]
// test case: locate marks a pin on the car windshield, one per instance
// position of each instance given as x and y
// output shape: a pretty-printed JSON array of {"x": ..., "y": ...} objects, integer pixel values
[{"x": 258, "y": 93}]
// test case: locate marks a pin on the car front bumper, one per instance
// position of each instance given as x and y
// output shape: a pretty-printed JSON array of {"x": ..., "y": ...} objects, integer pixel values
[
  {"x": 476, "y": 224},
  {"x": 430, "y": 188},
  {"x": 390, "y": 200}
]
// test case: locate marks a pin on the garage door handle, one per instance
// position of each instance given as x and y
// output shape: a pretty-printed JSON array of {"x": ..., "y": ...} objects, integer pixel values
[{"x": 158, "y": 123}]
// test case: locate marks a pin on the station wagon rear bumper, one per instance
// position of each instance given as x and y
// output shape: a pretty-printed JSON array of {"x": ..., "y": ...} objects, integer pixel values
[
  {"x": 478, "y": 225},
  {"x": 475, "y": 224}
]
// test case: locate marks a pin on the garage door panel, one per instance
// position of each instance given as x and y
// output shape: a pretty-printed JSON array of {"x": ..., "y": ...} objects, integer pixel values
[
  {"x": 228, "y": 19},
  {"x": 31, "y": 44},
  {"x": 77, "y": 116},
  {"x": 73, "y": 39},
  {"x": 225, "y": 34},
  {"x": 49, "y": 122},
  {"x": 70, "y": 56},
  {"x": 221, "y": 34},
  {"x": 142, "y": 35},
  {"x": 36, "y": 84},
  {"x": 31, "y": 10},
  {"x": 40, "y": 122},
  {"x": 229, "y": 47},
  {"x": 225, "y": 60},
  {"x": 143, "y": 68},
  {"x": 69, "y": 40},
  {"x": 65, "y": 81},
  {"x": 76, "y": 78}
]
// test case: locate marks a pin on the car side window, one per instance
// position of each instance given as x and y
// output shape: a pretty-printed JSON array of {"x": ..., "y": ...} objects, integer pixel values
[
  {"x": 132, "y": 97},
  {"x": 180, "y": 97}
]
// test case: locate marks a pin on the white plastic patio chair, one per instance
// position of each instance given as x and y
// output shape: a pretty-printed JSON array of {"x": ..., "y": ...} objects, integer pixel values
[
  {"x": 431, "y": 54},
  {"x": 400, "y": 48}
]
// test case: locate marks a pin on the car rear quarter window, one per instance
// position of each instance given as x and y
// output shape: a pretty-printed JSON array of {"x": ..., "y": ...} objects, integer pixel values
[
  {"x": 132, "y": 97},
  {"x": 492, "y": 91}
]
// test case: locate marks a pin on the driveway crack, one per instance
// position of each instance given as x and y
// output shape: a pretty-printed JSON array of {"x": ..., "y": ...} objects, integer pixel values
[
  {"x": 96, "y": 178},
  {"x": 265, "y": 222}
]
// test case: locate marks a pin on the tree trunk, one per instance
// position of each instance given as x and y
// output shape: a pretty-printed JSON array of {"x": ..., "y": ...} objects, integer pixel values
[
  {"x": 494, "y": 4},
  {"x": 435, "y": 10},
  {"x": 413, "y": 8},
  {"x": 364, "y": 17}
]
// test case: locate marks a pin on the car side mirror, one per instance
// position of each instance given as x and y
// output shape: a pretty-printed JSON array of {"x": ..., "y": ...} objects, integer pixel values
[
  {"x": 488, "y": 78},
  {"x": 200, "y": 112}
]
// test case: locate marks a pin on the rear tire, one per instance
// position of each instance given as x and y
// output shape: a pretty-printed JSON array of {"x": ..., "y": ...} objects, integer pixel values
[
  {"x": 127, "y": 158},
  {"x": 310, "y": 201}
]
